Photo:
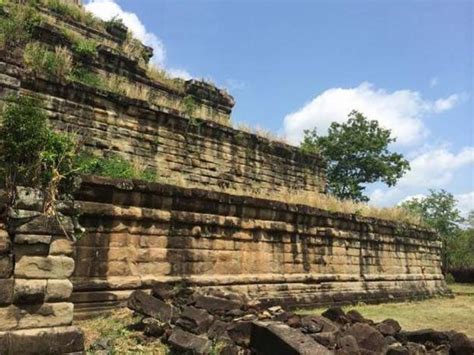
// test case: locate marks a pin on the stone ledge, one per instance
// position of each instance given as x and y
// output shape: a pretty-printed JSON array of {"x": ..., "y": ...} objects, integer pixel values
[{"x": 56, "y": 340}]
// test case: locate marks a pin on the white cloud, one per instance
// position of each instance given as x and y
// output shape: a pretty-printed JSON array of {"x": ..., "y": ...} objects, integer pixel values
[
  {"x": 433, "y": 82},
  {"x": 108, "y": 9},
  {"x": 465, "y": 202},
  {"x": 431, "y": 169},
  {"x": 179, "y": 73},
  {"x": 401, "y": 111}
]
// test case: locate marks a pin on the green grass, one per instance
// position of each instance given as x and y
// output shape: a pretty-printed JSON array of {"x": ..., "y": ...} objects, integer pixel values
[
  {"x": 124, "y": 341},
  {"x": 437, "y": 313}
]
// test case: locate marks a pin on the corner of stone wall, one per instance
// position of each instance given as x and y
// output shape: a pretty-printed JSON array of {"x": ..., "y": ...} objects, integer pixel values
[{"x": 35, "y": 266}]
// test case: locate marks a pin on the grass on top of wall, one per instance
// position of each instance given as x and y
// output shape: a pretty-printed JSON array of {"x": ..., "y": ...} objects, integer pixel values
[{"x": 115, "y": 166}]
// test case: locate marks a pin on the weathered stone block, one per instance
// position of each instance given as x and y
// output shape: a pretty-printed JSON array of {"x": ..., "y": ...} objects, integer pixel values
[
  {"x": 32, "y": 239},
  {"x": 45, "y": 315},
  {"x": 49, "y": 267},
  {"x": 6, "y": 291},
  {"x": 5, "y": 242},
  {"x": 41, "y": 224},
  {"x": 279, "y": 339},
  {"x": 56, "y": 340},
  {"x": 6, "y": 266},
  {"x": 58, "y": 290},
  {"x": 61, "y": 246},
  {"x": 29, "y": 291}
]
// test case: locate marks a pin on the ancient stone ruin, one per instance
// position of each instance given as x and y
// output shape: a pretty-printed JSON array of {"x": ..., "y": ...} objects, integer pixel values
[
  {"x": 197, "y": 322},
  {"x": 138, "y": 234}
]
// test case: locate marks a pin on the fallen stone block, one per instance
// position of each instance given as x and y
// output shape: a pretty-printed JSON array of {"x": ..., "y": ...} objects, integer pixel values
[
  {"x": 188, "y": 342},
  {"x": 215, "y": 305},
  {"x": 367, "y": 337},
  {"x": 336, "y": 314},
  {"x": 240, "y": 332},
  {"x": 280, "y": 339},
  {"x": 153, "y": 327},
  {"x": 145, "y": 304},
  {"x": 195, "y": 320},
  {"x": 424, "y": 335},
  {"x": 461, "y": 344},
  {"x": 388, "y": 327}
]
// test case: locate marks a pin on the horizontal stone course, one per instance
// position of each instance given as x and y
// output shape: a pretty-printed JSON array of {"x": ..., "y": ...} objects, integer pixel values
[{"x": 139, "y": 234}]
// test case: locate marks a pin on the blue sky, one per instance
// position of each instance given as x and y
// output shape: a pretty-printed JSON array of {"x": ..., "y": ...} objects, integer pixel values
[{"x": 293, "y": 65}]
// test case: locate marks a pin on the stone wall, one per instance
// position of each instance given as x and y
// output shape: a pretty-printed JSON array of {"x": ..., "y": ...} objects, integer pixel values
[
  {"x": 175, "y": 147},
  {"x": 36, "y": 312},
  {"x": 138, "y": 234}
]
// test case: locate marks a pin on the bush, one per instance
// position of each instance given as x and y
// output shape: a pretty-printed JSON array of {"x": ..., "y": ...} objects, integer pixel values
[
  {"x": 31, "y": 154},
  {"x": 73, "y": 12},
  {"x": 86, "y": 77},
  {"x": 462, "y": 275},
  {"x": 85, "y": 47},
  {"x": 16, "y": 28},
  {"x": 112, "y": 166},
  {"x": 38, "y": 58}
]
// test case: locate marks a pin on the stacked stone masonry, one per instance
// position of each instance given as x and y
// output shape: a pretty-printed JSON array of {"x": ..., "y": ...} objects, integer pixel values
[
  {"x": 36, "y": 312},
  {"x": 176, "y": 145},
  {"x": 138, "y": 234}
]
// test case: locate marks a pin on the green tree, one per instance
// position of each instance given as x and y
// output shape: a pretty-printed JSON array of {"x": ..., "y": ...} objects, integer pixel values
[
  {"x": 438, "y": 210},
  {"x": 357, "y": 154}
]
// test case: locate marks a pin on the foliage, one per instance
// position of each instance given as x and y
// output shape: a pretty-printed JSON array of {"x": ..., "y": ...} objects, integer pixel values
[
  {"x": 31, "y": 153},
  {"x": 461, "y": 249},
  {"x": 189, "y": 105},
  {"x": 73, "y": 12},
  {"x": 357, "y": 154},
  {"x": 86, "y": 77},
  {"x": 438, "y": 210},
  {"x": 38, "y": 58},
  {"x": 85, "y": 47},
  {"x": 113, "y": 166},
  {"x": 16, "y": 28}
]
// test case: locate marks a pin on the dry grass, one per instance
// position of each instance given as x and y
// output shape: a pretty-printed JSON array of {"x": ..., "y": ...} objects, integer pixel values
[
  {"x": 262, "y": 132},
  {"x": 125, "y": 341},
  {"x": 438, "y": 313},
  {"x": 311, "y": 199}
]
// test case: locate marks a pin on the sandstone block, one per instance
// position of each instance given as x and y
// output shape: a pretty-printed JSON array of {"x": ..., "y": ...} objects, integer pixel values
[
  {"x": 279, "y": 339},
  {"x": 58, "y": 290},
  {"x": 143, "y": 303},
  {"x": 56, "y": 340},
  {"x": 49, "y": 267},
  {"x": 45, "y": 315},
  {"x": 41, "y": 224},
  {"x": 9, "y": 318},
  {"x": 189, "y": 343},
  {"x": 32, "y": 239},
  {"x": 29, "y": 291},
  {"x": 6, "y": 266},
  {"x": 6, "y": 291},
  {"x": 61, "y": 246},
  {"x": 5, "y": 243}
]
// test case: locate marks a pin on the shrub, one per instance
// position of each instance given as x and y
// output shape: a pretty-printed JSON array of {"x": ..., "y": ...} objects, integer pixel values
[
  {"x": 16, "y": 27},
  {"x": 38, "y": 58},
  {"x": 86, "y": 77},
  {"x": 113, "y": 166},
  {"x": 31, "y": 154},
  {"x": 85, "y": 47},
  {"x": 73, "y": 12}
]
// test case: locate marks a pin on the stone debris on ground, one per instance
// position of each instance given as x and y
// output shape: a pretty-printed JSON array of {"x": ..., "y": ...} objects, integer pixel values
[{"x": 217, "y": 322}]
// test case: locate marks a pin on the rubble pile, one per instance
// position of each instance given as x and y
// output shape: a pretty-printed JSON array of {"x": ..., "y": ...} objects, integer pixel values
[{"x": 216, "y": 322}]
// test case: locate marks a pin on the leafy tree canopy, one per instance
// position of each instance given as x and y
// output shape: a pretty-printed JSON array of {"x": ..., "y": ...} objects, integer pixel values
[{"x": 357, "y": 154}]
